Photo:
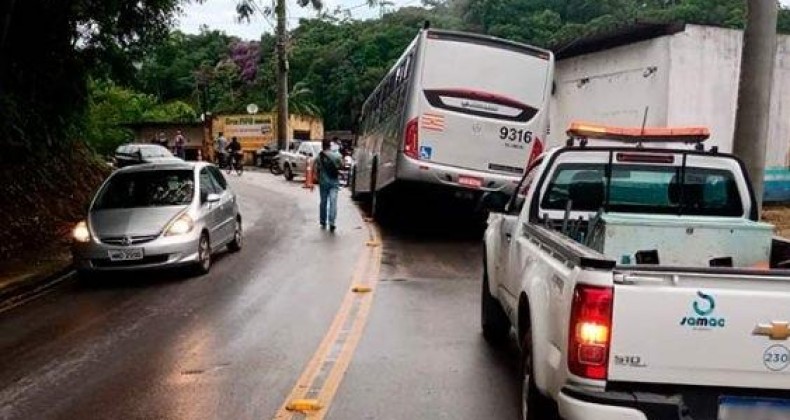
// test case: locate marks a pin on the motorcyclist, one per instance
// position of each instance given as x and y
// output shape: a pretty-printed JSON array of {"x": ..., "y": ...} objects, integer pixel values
[{"x": 234, "y": 150}]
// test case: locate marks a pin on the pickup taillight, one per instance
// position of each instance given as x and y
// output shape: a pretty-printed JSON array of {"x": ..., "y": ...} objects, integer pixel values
[
  {"x": 590, "y": 331},
  {"x": 411, "y": 142}
]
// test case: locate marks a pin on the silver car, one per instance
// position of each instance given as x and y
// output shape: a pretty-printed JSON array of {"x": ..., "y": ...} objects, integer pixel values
[{"x": 156, "y": 216}]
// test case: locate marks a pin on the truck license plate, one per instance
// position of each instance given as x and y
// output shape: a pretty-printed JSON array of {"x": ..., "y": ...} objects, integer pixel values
[
  {"x": 740, "y": 408},
  {"x": 130, "y": 254},
  {"x": 470, "y": 181}
]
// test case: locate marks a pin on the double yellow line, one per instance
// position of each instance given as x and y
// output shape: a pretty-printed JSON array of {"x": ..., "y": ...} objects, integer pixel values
[{"x": 313, "y": 393}]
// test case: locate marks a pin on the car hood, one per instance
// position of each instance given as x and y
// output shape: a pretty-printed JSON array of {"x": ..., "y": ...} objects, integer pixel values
[{"x": 146, "y": 221}]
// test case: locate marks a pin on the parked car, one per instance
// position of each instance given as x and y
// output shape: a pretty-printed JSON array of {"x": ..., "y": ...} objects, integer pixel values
[
  {"x": 295, "y": 163},
  {"x": 640, "y": 283},
  {"x": 156, "y": 216},
  {"x": 135, "y": 154}
]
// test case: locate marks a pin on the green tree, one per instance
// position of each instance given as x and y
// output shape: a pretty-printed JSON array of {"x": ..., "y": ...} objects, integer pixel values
[
  {"x": 168, "y": 69},
  {"x": 111, "y": 106},
  {"x": 48, "y": 49}
]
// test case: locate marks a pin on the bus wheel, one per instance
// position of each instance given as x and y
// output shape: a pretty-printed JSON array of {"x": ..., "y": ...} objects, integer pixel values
[
  {"x": 374, "y": 195},
  {"x": 353, "y": 185}
]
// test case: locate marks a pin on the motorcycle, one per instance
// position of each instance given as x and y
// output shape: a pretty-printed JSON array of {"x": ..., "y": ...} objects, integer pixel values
[{"x": 275, "y": 167}]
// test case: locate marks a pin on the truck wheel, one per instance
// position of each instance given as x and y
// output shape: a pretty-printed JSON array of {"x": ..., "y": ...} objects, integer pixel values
[
  {"x": 289, "y": 174},
  {"x": 534, "y": 405},
  {"x": 496, "y": 325}
]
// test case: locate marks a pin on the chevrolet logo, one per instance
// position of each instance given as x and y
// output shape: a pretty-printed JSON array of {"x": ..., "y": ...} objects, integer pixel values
[{"x": 775, "y": 330}]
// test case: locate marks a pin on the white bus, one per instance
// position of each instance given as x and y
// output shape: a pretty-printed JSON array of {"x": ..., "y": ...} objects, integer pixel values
[{"x": 457, "y": 110}]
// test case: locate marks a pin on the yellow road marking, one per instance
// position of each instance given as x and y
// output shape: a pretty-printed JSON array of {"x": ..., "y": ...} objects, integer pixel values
[{"x": 354, "y": 310}]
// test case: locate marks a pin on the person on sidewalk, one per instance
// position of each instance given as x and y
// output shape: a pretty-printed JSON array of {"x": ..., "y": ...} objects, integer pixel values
[{"x": 326, "y": 171}]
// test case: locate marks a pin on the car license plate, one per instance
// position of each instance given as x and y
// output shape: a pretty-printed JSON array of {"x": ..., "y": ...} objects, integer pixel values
[
  {"x": 740, "y": 408},
  {"x": 130, "y": 254},
  {"x": 470, "y": 181}
]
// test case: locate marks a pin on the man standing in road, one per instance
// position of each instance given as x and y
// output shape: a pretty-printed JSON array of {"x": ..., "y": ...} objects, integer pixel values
[
  {"x": 219, "y": 149},
  {"x": 326, "y": 168},
  {"x": 180, "y": 145}
]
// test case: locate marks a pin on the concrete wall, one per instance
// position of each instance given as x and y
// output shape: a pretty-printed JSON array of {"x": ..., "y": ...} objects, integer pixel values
[
  {"x": 612, "y": 86},
  {"x": 193, "y": 134},
  {"x": 704, "y": 80},
  {"x": 695, "y": 82},
  {"x": 312, "y": 125}
]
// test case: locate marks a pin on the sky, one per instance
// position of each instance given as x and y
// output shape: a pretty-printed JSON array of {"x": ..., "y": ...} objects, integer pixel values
[{"x": 221, "y": 14}]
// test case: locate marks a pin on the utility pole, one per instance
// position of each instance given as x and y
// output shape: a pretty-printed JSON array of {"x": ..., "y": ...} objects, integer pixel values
[
  {"x": 282, "y": 77},
  {"x": 754, "y": 90}
]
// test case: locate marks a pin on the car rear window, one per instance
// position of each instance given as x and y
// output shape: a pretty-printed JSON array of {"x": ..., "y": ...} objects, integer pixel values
[
  {"x": 644, "y": 189},
  {"x": 147, "y": 189}
]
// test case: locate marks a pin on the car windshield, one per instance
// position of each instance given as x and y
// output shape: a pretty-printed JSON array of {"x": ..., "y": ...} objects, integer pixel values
[
  {"x": 147, "y": 189},
  {"x": 644, "y": 189}
]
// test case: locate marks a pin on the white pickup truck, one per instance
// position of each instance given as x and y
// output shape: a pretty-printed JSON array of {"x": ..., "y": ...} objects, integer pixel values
[{"x": 640, "y": 283}]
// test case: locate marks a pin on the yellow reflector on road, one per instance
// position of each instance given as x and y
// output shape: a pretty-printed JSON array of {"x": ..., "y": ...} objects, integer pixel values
[{"x": 304, "y": 405}]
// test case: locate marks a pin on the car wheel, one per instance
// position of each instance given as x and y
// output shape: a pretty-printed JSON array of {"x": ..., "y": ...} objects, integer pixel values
[
  {"x": 289, "y": 175},
  {"x": 534, "y": 405},
  {"x": 204, "y": 255},
  {"x": 235, "y": 244},
  {"x": 493, "y": 320}
]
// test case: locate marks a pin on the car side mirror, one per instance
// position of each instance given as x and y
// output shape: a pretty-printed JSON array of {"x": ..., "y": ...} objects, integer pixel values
[{"x": 212, "y": 198}]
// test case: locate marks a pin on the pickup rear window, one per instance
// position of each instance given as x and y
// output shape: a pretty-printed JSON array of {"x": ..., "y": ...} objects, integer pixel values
[{"x": 644, "y": 189}]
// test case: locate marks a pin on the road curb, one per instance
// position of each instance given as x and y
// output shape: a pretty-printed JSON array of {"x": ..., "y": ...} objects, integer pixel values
[{"x": 27, "y": 290}]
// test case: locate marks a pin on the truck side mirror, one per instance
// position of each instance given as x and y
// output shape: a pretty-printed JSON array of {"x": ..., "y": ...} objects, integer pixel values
[{"x": 495, "y": 202}]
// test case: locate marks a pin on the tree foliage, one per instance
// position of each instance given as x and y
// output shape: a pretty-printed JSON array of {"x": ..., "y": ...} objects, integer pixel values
[
  {"x": 49, "y": 48},
  {"x": 111, "y": 106}
]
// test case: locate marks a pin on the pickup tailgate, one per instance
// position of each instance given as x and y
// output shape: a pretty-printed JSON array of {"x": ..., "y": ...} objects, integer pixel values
[{"x": 701, "y": 329}]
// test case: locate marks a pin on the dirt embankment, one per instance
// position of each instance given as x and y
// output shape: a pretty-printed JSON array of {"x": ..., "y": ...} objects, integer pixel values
[
  {"x": 779, "y": 216},
  {"x": 40, "y": 201}
]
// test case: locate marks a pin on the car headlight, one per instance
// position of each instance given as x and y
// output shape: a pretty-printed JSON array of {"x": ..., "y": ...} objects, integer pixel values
[
  {"x": 182, "y": 224},
  {"x": 81, "y": 232}
]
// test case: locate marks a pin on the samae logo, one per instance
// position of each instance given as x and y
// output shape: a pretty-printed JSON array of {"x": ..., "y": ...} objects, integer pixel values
[{"x": 703, "y": 308}]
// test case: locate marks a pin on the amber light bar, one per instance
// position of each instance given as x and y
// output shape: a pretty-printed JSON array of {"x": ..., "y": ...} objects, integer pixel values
[{"x": 639, "y": 134}]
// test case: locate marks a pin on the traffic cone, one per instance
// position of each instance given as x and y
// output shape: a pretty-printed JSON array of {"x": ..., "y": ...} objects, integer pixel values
[{"x": 308, "y": 176}]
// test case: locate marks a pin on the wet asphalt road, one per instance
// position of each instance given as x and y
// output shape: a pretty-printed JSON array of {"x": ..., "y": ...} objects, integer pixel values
[{"x": 232, "y": 344}]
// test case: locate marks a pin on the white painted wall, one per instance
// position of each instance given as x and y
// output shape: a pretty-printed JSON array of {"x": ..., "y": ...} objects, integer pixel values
[
  {"x": 695, "y": 83},
  {"x": 612, "y": 86},
  {"x": 779, "y": 129},
  {"x": 703, "y": 87}
]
